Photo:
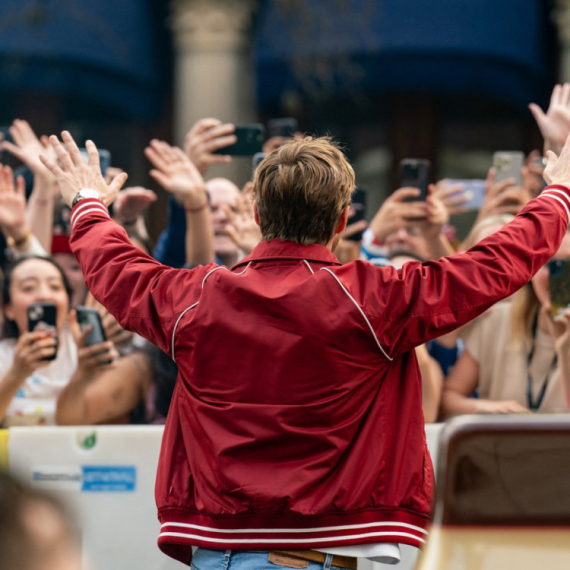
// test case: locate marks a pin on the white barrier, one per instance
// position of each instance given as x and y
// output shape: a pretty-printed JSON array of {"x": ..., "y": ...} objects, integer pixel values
[{"x": 106, "y": 474}]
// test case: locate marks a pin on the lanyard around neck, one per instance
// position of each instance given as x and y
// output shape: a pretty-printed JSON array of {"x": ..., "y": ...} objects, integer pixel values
[{"x": 534, "y": 405}]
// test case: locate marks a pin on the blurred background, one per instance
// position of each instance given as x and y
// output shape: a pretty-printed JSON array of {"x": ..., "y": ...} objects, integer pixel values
[{"x": 446, "y": 80}]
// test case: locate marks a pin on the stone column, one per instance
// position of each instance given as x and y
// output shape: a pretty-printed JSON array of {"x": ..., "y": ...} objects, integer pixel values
[
  {"x": 213, "y": 68},
  {"x": 561, "y": 15}
]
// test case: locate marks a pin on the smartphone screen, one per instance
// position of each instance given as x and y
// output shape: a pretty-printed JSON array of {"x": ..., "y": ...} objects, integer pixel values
[
  {"x": 559, "y": 285},
  {"x": 508, "y": 164},
  {"x": 43, "y": 316},
  {"x": 473, "y": 191},
  {"x": 414, "y": 173}
]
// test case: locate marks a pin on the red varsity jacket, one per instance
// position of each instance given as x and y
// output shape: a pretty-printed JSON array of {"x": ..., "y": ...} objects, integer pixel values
[{"x": 296, "y": 420}]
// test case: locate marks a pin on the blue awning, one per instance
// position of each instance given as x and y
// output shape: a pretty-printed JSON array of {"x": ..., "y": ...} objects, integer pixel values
[
  {"x": 103, "y": 50},
  {"x": 338, "y": 47}
]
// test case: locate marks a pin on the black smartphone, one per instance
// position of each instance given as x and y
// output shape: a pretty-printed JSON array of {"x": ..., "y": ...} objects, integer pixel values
[
  {"x": 104, "y": 158},
  {"x": 87, "y": 316},
  {"x": 250, "y": 140},
  {"x": 255, "y": 161},
  {"x": 508, "y": 164},
  {"x": 43, "y": 316},
  {"x": 559, "y": 285},
  {"x": 286, "y": 127},
  {"x": 359, "y": 208},
  {"x": 414, "y": 173}
]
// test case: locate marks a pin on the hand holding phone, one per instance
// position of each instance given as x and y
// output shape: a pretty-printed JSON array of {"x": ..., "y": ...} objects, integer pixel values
[{"x": 89, "y": 318}]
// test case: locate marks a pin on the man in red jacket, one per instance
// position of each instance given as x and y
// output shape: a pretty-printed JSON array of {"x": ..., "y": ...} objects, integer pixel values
[{"x": 295, "y": 434}]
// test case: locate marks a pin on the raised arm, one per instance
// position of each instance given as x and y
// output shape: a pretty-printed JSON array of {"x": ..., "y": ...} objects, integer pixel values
[
  {"x": 419, "y": 302},
  {"x": 143, "y": 295},
  {"x": 176, "y": 173},
  {"x": 27, "y": 148}
]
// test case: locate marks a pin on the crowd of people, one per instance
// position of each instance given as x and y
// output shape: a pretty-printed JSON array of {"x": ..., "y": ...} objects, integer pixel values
[{"x": 513, "y": 359}]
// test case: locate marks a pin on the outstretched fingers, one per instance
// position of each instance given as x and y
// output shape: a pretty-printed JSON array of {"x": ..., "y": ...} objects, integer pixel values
[
  {"x": 62, "y": 155},
  {"x": 73, "y": 149}
]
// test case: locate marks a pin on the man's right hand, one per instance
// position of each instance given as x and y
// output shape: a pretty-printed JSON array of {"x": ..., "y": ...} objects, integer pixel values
[
  {"x": 557, "y": 169},
  {"x": 205, "y": 137},
  {"x": 395, "y": 213},
  {"x": 555, "y": 123}
]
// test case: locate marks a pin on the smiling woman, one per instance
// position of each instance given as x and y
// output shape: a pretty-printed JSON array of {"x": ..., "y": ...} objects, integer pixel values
[{"x": 35, "y": 366}]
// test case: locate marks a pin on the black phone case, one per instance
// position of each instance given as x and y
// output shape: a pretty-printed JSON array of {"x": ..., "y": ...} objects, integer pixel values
[
  {"x": 415, "y": 173},
  {"x": 43, "y": 315},
  {"x": 250, "y": 140},
  {"x": 87, "y": 316}
]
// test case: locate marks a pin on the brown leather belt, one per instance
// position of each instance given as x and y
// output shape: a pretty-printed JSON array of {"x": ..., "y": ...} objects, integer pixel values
[{"x": 315, "y": 556}]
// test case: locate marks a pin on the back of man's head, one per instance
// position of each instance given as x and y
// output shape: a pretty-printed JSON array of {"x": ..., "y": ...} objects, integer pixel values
[{"x": 301, "y": 190}]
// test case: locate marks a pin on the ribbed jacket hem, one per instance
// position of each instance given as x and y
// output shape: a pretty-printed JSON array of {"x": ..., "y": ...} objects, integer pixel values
[{"x": 181, "y": 530}]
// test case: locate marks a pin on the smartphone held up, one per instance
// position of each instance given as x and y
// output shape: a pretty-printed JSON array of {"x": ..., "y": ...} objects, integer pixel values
[
  {"x": 414, "y": 173},
  {"x": 43, "y": 317}
]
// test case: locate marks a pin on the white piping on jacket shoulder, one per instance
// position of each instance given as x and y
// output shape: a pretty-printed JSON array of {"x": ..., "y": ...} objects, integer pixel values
[
  {"x": 360, "y": 310},
  {"x": 309, "y": 266},
  {"x": 196, "y": 303}
]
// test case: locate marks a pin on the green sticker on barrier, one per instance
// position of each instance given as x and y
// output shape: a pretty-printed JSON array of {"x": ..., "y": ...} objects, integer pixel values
[{"x": 90, "y": 441}]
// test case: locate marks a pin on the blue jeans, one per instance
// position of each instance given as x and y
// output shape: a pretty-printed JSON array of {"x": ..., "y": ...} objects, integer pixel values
[{"x": 205, "y": 559}]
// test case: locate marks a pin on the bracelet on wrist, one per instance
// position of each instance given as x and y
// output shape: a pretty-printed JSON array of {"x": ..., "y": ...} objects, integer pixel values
[
  {"x": 16, "y": 242},
  {"x": 196, "y": 210}
]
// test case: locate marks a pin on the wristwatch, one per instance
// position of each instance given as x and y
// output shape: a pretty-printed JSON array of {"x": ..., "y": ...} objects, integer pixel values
[{"x": 86, "y": 193}]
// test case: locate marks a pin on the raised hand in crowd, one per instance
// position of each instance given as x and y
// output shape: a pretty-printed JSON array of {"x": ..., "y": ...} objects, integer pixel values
[
  {"x": 452, "y": 196},
  {"x": 555, "y": 123},
  {"x": 242, "y": 227},
  {"x": 27, "y": 148},
  {"x": 432, "y": 228},
  {"x": 396, "y": 213},
  {"x": 532, "y": 173},
  {"x": 204, "y": 138},
  {"x": 74, "y": 174},
  {"x": 177, "y": 174},
  {"x": 502, "y": 197},
  {"x": 13, "y": 222},
  {"x": 129, "y": 207},
  {"x": 348, "y": 250}
]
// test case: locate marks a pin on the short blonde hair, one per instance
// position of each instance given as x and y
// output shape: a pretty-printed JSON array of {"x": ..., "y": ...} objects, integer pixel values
[{"x": 301, "y": 190}]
